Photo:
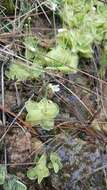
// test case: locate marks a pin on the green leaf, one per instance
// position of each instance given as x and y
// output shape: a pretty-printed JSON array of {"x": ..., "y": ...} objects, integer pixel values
[
  {"x": 19, "y": 71},
  {"x": 2, "y": 174},
  {"x": 67, "y": 38},
  {"x": 60, "y": 57},
  {"x": 84, "y": 43},
  {"x": 9, "y": 184},
  {"x": 103, "y": 60},
  {"x": 14, "y": 184},
  {"x": 29, "y": 55},
  {"x": 31, "y": 173},
  {"x": 56, "y": 161},
  {"x": 34, "y": 116},
  {"x": 20, "y": 186},
  {"x": 42, "y": 113},
  {"x": 48, "y": 108},
  {"x": 47, "y": 125},
  {"x": 56, "y": 57},
  {"x": 40, "y": 171},
  {"x": 31, "y": 43},
  {"x": 82, "y": 28},
  {"x": 9, "y": 6}
]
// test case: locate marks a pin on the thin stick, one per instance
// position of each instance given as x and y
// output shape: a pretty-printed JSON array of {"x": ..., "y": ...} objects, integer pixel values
[{"x": 3, "y": 113}]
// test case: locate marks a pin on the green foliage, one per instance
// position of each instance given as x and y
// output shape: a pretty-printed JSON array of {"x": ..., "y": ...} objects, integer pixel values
[
  {"x": 84, "y": 24},
  {"x": 59, "y": 58},
  {"x": 31, "y": 47},
  {"x": 25, "y": 6},
  {"x": 14, "y": 184},
  {"x": 10, "y": 182},
  {"x": 103, "y": 60},
  {"x": 55, "y": 161},
  {"x": 19, "y": 71},
  {"x": 2, "y": 174},
  {"x": 42, "y": 113},
  {"x": 41, "y": 170},
  {"x": 9, "y": 5}
]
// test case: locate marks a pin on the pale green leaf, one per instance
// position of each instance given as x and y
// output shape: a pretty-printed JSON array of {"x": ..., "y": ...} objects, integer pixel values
[
  {"x": 20, "y": 186},
  {"x": 56, "y": 57},
  {"x": 60, "y": 57},
  {"x": 2, "y": 174},
  {"x": 103, "y": 59},
  {"x": 47, "y": 125},
  {"x": 49, "y": 109},
  {"x": 64, "y": 69},
  {"x": 34, "y": 116},
  {"x": 31, "y": 43},
  {"x": 31, "y": 173},
  {"x": 40, "y": 171},
  {"x": 56, "y": 161},
  {"x": 42, "y": 113},
  {"x": 14, "y": 184},
  {"x": 9, "y": 184},
  {"x": 19, "y": 71},
  {"x": 29, "y": 55},
  {"x": 56, "y": 167}
]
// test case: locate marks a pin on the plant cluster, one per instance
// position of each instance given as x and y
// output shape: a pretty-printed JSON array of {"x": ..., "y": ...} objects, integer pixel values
[
  {"x": 42, "y": 113},
  {"x": 10, "y": 182},
  {"x": 41, "y": 170},
  {"x": 84, "y": 24}
]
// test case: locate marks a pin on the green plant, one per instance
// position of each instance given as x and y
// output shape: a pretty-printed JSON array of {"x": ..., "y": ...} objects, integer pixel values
[
  {"x": 81, "y": 29},
  {"x": 10, "y": 182},
  {"x": 62, "y": 59},
  {"x": 18, "y": 71},
  {"x": 25, "y": 6},
  {"x": 41, "y": 170},
  {"x": 2, "y": 174},
  {"x": 9, "y": 5},
  {"x": 42, "y": 113},
  {"x": 55, "y": 162},
  {"x": 14, "y": 184}
]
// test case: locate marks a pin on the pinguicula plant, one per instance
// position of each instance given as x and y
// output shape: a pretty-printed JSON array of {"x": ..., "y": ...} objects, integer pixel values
[
  {"x": 10, "y": 182},
  {"x": 43, "y": 167}
]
